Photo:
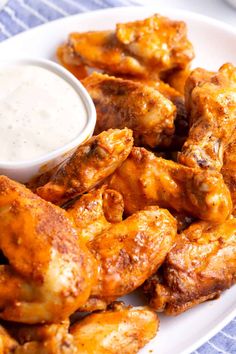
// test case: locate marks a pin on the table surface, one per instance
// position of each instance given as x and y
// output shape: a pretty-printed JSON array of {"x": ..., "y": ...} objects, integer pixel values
[{"x": 21, "y": 15}]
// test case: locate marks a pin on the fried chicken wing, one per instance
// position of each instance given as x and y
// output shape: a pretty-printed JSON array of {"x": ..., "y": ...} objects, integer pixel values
[
  {"x": 89, "y": 165},
  {"x": 118, "y": 330},
  {"x": 95, "y": 211},
  {"x": 48, "y": 272},
  {"x": 211, "y": 104},
  {"x": 144, "y": 179},
  {"x": 140, "y": 48},
  {"x": 199, "y": 267},
  {"x": 124, "y": 103},
  {"x": 130, "y": 251},
  {"x": 229, "y": 171}
]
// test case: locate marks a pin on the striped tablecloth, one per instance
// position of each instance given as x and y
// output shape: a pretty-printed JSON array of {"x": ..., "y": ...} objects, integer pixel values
[{"x": 21, "y": 15}]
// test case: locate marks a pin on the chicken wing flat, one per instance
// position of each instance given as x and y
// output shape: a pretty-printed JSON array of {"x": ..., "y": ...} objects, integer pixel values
[
  {"x": 48, "y": 272},
  {"x": 211, "y": 104},
  {"x": 124, "y": 103},
  {"x": 229, "y": 171},
  {"x": 95, "y": 211},
  {"x": 118, "y": 330},
  {"x": 144, "y": 179},
  {"x": 130, "y": 251},
  {"x": 89, "y": 165},
  {"x": 140, "y": 48},
  {"x": 199, "y": 267}
]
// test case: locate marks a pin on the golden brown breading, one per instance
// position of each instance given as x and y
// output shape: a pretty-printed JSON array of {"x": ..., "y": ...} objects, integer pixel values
[
  {"x": 48, "y": 272},
  {"x": 125, "y": 103},
  {"x": 211, "y": 104},
  {"x": 140, "y": 48},
  {"x": 95, "y": 211},
  {"x": 130, "y": 251},
  {"x": 118, "y": 330},
  {"x": 89, "y": 165},
  {"x": 229, "y": 171},
  {"x": 144, "y": 179},
  {"x": 199, "y": 267}
]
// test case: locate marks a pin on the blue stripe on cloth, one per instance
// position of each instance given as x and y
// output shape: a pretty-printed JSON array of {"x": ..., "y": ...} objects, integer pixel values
[{"x": 19, "y": 15}]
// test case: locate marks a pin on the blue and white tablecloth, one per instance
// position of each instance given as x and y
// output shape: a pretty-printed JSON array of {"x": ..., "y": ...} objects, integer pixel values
[{"x": 21, "y": 15}]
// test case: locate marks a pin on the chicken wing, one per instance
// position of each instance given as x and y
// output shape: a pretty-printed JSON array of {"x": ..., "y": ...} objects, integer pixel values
[
  {"x": 124, "y": 103},
  {"x": 118, "y": 330},
  {"x": 140, "y": 48},
  {"x": 48, "y": 272},
  {"x": 144, "y": 179},
  {"x": 229, "y": 171},
  {"x": 211, "y": 104},
  {"x": 89, "y": 165},
  {"x": 95, "y": 211},
  {"x": 130, "y": 251},
  {"x": 199, "y": 267}
]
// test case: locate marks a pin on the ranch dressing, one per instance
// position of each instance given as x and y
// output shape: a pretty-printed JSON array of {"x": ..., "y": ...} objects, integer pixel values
[{"x": 39, "y": 112}]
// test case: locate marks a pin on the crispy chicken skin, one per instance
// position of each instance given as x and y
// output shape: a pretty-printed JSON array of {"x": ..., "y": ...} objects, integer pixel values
[
  {"x": 48, "y": 273},
  {"x": 140, "y": 48},
  {"x": 199, "y": 267},
  {"x": 130, "y": 251},
  {"x": 211, "y": 104},
  {"x": 96, "y": 211},
  {"x": 144, "y": 179},
  {"x": 229, "y": 171},
  {"x": 118, "y": 330},
  {"x": 89, "y": 165},
  {"x": 125, "y": 103}
]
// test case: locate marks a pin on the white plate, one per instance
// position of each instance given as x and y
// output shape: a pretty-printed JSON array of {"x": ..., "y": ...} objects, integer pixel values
[{"x": 214, "y": 43}]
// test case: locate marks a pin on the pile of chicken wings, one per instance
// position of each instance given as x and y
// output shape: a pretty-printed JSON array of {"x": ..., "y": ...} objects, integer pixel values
[{"x": 148, "y": 202}]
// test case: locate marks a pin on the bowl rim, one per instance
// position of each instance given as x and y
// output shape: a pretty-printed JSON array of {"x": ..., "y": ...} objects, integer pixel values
[{"x": 88, "y": 129}]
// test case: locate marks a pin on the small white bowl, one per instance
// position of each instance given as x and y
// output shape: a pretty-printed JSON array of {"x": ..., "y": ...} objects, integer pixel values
[{"x": 24, "y": 171}]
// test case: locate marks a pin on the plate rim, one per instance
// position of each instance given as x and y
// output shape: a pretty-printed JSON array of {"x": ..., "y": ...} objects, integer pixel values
[{"x": 155, "y": 8}]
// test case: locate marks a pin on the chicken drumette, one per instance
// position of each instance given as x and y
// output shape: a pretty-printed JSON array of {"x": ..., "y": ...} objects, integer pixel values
[
  {"x": 211, "y": 105},
  {"x": 46, "y": 273},
  {"x": 144, "y": 179},
  {"x": 125, "y": 103},
  {"x": 140, "y": 48},
  {"x": 89, "y": 165},
  {"x": 199, "y": 267}
]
